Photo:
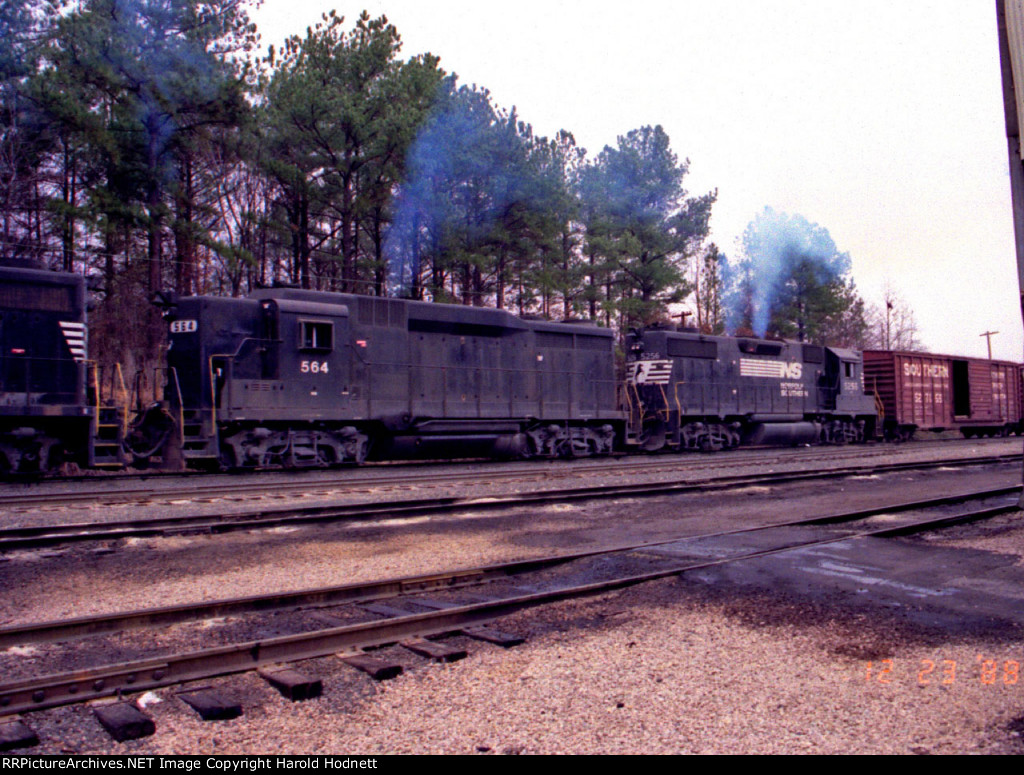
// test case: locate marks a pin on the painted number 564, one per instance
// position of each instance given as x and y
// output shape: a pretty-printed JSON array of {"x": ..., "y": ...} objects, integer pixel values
[{"x": 313, "y": 367}]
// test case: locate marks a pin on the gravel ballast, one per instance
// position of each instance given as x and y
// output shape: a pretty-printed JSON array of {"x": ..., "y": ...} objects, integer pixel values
[
  {"x": 678, "y": 666},
  {"x": 672, "y": 667}
]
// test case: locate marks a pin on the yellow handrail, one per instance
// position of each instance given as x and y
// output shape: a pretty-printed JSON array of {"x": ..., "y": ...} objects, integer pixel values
[
  {"x": 91, "y": 366},
  {"x": 124, "y": 398},
  {"x": 181, "y": 409}
]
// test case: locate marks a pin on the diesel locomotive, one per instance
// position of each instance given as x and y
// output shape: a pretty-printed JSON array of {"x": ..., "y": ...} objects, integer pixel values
[
  {"x": 289, "y": 377},
  {"x": 49, "y": 414},
  {"x": 296, "y": 377},
  {"x": 689, "y": 391}
]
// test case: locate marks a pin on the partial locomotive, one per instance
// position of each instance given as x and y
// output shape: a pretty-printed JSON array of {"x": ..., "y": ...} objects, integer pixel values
[
  {"x": 690, "y": 391},
  {"x": 48, "y": 413}
]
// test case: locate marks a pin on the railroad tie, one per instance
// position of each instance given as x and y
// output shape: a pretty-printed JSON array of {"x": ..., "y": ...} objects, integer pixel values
[
  {"x": 438, "y": 652},
  {"x": 497, "y": 637},
  {"x": 377, "y": 669},
  {"x": 17, "y": 734},
  {"x": 293, "y": 684},
  {"x": 124, "y": 721},
  {"x": 210, "y": 704},
  {"x": 433, "y": 604},
  {"x": 386, "y": 609},
  {"x": 486, "y": 634}
]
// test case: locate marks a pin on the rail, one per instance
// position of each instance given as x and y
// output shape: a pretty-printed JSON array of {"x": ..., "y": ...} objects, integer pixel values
[
  {"x": 22, "y": 696},
  {"x": 58, "y": 534}
]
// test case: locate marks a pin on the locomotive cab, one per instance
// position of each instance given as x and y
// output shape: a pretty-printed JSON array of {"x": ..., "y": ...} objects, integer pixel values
[{"x": 241, "y": 370}]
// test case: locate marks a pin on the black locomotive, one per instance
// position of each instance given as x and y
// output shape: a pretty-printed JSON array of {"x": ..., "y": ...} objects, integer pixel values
[
  {"x": 688, "y": 391},
  {"x": 305, "y": 378},
  {"x": 48, "y": 410},
  {"x": 299, "y": 377}
]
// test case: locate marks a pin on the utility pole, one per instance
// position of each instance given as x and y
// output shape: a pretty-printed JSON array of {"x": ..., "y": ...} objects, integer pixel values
[
  {"x": 682, "y": 318},
  {"x": 988, "y": 335},
  {"x": 888, "y": 315}
]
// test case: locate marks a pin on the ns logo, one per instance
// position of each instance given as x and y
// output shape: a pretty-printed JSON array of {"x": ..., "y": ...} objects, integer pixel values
[{"x": 791, "y": 370}]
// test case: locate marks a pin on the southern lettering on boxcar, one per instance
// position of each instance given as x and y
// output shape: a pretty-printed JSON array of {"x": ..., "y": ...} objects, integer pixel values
[{"x": 941, "y": 392}]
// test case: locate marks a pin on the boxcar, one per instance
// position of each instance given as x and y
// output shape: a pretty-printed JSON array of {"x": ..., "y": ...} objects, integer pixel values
[{"x": 924, "y": 391}]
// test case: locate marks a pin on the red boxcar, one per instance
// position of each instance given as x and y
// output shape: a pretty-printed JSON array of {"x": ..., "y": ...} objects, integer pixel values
[{"x": 976, "y": 396}]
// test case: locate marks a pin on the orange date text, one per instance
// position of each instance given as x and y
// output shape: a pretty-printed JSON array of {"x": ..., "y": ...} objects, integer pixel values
[{"x": 945, "y": 672}]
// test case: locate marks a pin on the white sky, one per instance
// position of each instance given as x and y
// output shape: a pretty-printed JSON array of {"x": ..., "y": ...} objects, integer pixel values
[{"x": 881, "y": 121}]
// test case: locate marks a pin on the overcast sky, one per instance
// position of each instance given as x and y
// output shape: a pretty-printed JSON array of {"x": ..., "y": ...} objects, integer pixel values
[{"x": 881, "y": 121}]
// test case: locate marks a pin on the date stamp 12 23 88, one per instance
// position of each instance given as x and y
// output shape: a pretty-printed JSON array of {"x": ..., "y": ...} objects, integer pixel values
[{"x": 945, "y": 672}]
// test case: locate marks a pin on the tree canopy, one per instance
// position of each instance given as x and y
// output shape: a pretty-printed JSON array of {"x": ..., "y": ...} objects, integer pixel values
[{"x": 149, "y": 144}]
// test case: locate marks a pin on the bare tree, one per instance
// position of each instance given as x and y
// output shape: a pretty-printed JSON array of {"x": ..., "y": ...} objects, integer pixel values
[
  {"x": 891, "y": 325},
  {"x": 706, "y": 277}
]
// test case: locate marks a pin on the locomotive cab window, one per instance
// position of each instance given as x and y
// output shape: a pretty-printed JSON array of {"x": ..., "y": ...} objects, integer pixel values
[
  {"x": 316, "y": 335},
  {"x": 848, "y": 367}
]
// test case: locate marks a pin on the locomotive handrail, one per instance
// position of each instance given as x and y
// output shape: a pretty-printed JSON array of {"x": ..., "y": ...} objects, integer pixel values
[
  {"x": 213, "y": 384},
  {"x": 181, "y": 409},
  {"x": 879, "y": 404},
  {"x": 229, "y": 358},
  {"x": 137, "y": 388},
  {"x": 124, "y": 396},
  {"x": 246, "y": 340},
  {"x": 96, "y": 397},
  {"x": 664, "y": 400}
]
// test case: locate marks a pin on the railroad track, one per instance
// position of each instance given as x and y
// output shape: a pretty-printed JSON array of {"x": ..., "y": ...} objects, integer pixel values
[
  {"x": 430, "y": 606},
  {"x": 36, "y": 536},
  {"x": 162, "y": 488}
]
